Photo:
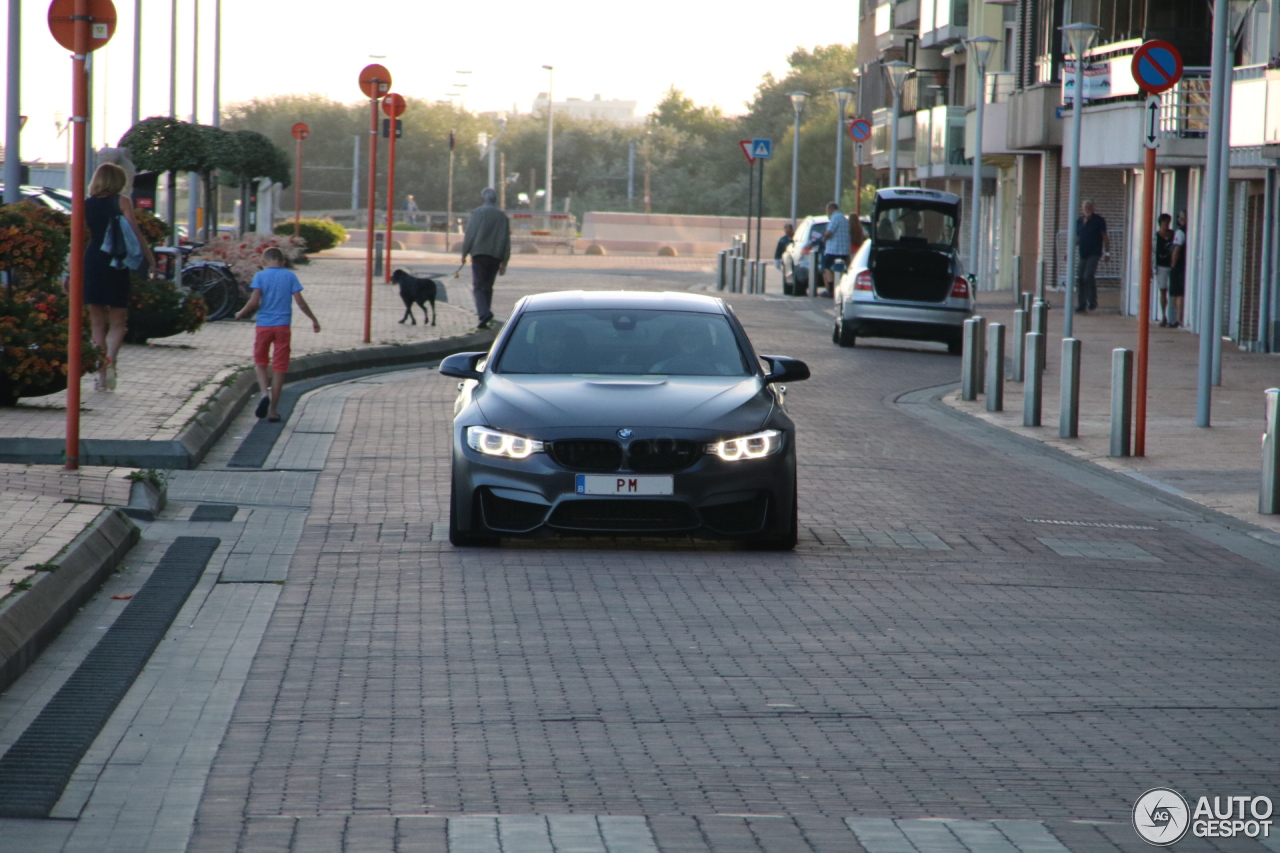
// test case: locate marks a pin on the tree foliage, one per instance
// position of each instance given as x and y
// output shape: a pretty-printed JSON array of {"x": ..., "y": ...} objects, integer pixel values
[{"x": 692, "y": 151}]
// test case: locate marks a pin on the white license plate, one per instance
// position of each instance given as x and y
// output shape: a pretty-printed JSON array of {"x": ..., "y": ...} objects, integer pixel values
[{"x": 589, "y": 484}]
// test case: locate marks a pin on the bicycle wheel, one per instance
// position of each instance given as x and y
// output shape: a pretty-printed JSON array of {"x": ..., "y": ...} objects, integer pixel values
[{"x": 212, "y": 287}]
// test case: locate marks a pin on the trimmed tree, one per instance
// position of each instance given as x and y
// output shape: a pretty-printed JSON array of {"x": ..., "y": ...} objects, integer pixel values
[
  {"x": 163, "y": 144},
  {"x": 245, "y": 156}
]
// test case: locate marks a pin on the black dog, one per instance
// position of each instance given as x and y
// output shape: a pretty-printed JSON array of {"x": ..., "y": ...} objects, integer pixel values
[{"x": 416, "y": 291}]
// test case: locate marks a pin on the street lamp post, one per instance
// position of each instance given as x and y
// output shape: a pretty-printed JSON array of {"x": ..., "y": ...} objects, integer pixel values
[
  {"x": 550, "y": 137},
  {"x": 897, "y": 72},
  {"x": 1081, "y": 37},
  {"x": 797, "y": 104},
  {"x": 13, "y": 114},
  {"x": 843, "y": 95},
  {"x": 980, "y": 50}
]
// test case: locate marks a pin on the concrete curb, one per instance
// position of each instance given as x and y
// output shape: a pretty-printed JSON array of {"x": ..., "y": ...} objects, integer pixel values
[
  {"x": 32, "y": 619},
  {"x": 145, "y": 501},
  {"x": 198, "y": 437}
]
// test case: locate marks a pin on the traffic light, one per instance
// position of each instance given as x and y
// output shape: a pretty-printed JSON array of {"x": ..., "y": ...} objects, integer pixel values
[{"x": 386, "y": 128}]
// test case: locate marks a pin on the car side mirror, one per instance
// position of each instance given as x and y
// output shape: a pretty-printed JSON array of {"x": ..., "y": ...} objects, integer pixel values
[
  {"x": 785, "y": 369},
  {"x": 462, "y": 365}
]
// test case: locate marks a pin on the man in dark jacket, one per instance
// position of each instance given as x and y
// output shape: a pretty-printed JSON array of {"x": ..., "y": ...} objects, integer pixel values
[
  {"x": 488, "y": 242},
  {"x": 1094, "y": 245}
]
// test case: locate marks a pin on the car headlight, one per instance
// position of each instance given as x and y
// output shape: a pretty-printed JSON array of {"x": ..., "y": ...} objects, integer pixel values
[
  {"x": 748, "y": 446},
  {"x": 491, "y": 442}
]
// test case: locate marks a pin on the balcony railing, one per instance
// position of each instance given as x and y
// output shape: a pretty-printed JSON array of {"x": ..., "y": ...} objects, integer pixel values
[
  {"x": 940, "y": 135},
  {"x": 1184, "y": 109},
  {"x": 999, "y": 86}
]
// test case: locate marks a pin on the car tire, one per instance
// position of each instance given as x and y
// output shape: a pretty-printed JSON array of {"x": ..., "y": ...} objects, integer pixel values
[
  {"x": 955, "y": 346},
  {"x": 459, "y": 539},
  {"x": 785, "y": 541},
  {"x": 844, "y": 334}
]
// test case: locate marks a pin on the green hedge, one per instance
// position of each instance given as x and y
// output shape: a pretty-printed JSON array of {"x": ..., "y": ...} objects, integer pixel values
[{"x": 319, "y": 234}]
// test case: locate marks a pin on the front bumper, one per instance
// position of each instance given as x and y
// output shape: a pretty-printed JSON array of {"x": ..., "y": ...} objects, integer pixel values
[{"x": 535, "y": 496}]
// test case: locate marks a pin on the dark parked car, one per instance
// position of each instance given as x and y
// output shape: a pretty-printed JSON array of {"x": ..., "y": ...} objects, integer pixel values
[
  {"x": 907, "y": 280},
  {"x": 623, "y": 413}
]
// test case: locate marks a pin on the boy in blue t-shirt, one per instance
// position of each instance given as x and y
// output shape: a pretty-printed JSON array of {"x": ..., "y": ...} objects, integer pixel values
[{"x": 275, "y": 289}]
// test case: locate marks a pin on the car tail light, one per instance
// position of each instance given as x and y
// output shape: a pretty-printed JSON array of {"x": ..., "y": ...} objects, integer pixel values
[
  {"x": 862, "y": 281},
  {"x": 960, "y": 288}
]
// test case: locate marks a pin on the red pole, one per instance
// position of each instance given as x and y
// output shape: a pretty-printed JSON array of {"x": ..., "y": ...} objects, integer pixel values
[
  {"x": 1144, "y": 310},
  {"x": 297, "y": 194},
  {"x": 79, "y": 109},
  {"x": 373, "y": 194},
  {"x": 391, "y": 193}
]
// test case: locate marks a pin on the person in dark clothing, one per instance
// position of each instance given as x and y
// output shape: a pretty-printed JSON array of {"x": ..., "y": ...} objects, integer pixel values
[
  {"x": 1164, "y": 264},
  {"x": 784, "y": 242},
  {"x": 488, "y": 242},
  {"x": 1093, "y": 245},
  {"x": 106, "y": 288}
]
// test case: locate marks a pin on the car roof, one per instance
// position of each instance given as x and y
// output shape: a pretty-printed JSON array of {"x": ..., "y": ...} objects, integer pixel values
[
  {"x": 630, "y": 299},
  {"x": 917, "y": 194}
]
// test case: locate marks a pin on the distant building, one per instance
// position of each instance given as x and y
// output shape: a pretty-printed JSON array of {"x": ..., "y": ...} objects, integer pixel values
[{"x": 619, "y": 112}]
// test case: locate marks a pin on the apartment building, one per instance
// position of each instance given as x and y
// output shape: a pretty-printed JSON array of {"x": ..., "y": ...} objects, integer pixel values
[{"x": 1023, "y": 218}]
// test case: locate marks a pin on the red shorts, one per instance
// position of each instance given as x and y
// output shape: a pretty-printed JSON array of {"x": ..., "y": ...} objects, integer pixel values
[{"x": 268, "y": 338}]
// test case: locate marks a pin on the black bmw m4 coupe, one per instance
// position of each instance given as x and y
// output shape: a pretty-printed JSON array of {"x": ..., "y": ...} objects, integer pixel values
[{"x": 623, "y": 413}]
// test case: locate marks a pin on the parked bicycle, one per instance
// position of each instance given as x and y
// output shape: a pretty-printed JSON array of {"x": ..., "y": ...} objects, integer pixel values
[{"x": 213, "y": 280}]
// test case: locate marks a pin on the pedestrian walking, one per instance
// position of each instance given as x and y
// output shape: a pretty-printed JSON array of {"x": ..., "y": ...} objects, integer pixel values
[
  {"x": 274, "y": 290},
  {"x": 488, "y": 242},
  {"x": 411, "y": 210},
  {"x": 1093, "y": 245},
  {"x": 1178, "y": 272},
  {"x": 1164, "y": 264},
  {"x": 106, "y": 282}
]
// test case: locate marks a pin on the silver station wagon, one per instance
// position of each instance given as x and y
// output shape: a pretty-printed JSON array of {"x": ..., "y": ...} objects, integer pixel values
[{"x": 906, "y": 280}]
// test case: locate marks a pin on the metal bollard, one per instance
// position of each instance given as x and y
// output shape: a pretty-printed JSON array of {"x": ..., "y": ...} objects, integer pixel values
[
  {"x": 1018, "y": 365},
  {"x": 751, "y": 276},
  {"x": 733, "y": 272},
  {"x": 722, "y": 269},
  {"x": 1121, "y": 401},
  {"x": 995, "y": 367},
  {"x": 764, "y": 265},
  {"x": 980, "y": 369},
  {"x": 1040, "y": 325},
  {"x": 969, "y": 361},
  {"x": 1033, "y": 349},
  {"x": 1069, "y": 390},
  {"x": 378, "y": 251},
  {"x": 815, "y": 273},
  {"x": 1269, "y": 493},
  {"x": 1024, "y": 301}
]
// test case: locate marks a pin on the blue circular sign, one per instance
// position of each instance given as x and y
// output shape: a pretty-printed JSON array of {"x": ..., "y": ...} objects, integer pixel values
[{"x": 1157, "y": 66}]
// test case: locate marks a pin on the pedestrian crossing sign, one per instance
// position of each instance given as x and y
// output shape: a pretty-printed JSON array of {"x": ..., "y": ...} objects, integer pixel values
[{"x": 762, "y": 149}]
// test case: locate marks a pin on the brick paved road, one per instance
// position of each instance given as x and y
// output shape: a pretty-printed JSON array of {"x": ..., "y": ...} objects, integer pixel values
[{"x": 928, "y": 651}]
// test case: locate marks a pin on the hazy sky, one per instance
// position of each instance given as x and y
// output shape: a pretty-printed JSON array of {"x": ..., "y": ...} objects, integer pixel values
[{"x": 715, "y": 51}]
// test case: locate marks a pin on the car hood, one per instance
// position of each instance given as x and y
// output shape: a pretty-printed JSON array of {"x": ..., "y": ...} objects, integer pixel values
[{"x": 529, "y": 403}]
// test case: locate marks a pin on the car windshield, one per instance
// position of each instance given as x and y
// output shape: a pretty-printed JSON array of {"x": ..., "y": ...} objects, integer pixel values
[
  {"x": 919, "y": 224},
  {"x": 616, "y": 341}
]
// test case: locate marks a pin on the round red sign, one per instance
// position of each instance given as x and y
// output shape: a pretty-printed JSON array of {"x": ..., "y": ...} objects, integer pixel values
[
  {"x": 102, "y": 23},
  {"x": 393, "y": 105},
  {"x": 375, "y": 81},
  {"x": 301, "y": 131}
]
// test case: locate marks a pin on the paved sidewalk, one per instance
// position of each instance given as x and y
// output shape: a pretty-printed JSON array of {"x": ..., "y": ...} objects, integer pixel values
[
  {"x": 1218, "y": 467},
  {"x": 44, "y": 508},
  {"x": 164, "y": 384}
]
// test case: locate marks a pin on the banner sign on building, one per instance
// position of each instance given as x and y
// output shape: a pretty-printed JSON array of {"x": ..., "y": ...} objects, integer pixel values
[{"x": 1097, "y": 81}]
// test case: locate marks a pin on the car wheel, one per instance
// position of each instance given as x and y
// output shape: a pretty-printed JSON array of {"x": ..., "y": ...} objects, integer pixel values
[
  {"x": 955, "y": 346},
  {"x": 785, "y": 541},
  {"x": 459, "y": 539},
  {"x": 844, "y": 334}
]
